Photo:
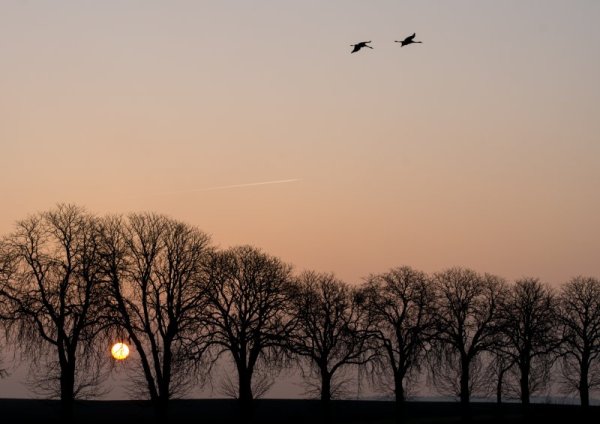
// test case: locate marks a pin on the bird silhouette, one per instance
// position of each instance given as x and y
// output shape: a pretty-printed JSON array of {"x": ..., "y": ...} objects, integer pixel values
[
  {"x": 359, "y": 46},
  {"x": 408, "y": 40}
]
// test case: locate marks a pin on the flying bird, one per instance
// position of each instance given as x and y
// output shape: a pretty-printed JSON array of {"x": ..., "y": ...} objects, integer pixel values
[
  {"x": 359, "y": 46},
  {"x": 408, "y": 40}
]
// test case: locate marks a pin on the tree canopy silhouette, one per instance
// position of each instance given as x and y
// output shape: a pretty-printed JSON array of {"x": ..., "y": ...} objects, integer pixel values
[
  {"x": 248, "y": 300},
  {"x": 156, "y": 275},
  {"x": 579, "y": 316},
  {"x": 466, "y": 314},
  {"x": 528, "y": 321},
  {"x": 70, "y": 282},
  {"x": 54, "y": 301},
  {"x": 331, "y": 329},
  {"x": 401, "y": 303}
]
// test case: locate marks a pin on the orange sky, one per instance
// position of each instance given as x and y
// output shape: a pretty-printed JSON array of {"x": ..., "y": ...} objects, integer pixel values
[{"x": 479, "y": 147}]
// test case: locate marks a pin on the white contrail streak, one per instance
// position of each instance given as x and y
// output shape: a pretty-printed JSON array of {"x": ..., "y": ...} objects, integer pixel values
[{"x": 225, "y": 187}]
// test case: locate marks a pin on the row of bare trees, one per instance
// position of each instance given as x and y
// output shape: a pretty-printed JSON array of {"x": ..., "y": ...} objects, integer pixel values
[
  {"x": 72, "y": 282},
  {"x": 471, "y": 330}
]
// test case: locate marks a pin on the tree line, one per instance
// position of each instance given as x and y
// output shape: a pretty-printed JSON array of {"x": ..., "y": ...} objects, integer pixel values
[{"x": 72, "y": 282}]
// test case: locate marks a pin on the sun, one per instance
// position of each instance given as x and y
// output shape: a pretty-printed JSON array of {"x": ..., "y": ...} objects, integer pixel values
[{"x": 119, "y": 351}]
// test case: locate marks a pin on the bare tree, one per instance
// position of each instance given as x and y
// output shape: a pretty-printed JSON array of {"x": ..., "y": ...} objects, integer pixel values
[
  {"x": 156, "y": 275},
  {"x": 498, "y": 367},
  {"x": 580, "y": 319},
  {"x": 529, "y": 325},
  {"x": 331, "y": 330},
  {"x": 247, "y": 312},
  {"x": 7, "y": 270},
  {"x": 53, "y": 297},
  {"x": 400, "y": 303},
  {"x": 466, "y": 314}
]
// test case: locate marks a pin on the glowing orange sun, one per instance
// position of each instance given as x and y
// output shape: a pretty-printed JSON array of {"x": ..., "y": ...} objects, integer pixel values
[{"x": 119, "y": 351}]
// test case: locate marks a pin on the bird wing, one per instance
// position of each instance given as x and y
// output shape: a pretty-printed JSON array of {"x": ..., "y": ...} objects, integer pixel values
[
  {"x": 356, "y": 48},
  {"x": 411, "y": 37}
]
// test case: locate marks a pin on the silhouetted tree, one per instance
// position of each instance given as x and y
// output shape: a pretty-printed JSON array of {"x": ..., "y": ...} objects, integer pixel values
[
  {"x": 466, "y": 314},
  {"x": 400, "y": 303},
  {"x": 529, "y": 325},
  {"x": 331, "y": 329},
  {"x": 247, "y": 312},
  {"x": 54, "y": 300},
  {"x": 498, "y": 365},
  {"x": 7, "y": 270},
  {"x": 580, "y": 320},
  {"x": 156, "y": 276}
]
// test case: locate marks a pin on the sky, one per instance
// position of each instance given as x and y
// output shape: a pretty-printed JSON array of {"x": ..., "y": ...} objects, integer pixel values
[{"x": 478, "y": 148}]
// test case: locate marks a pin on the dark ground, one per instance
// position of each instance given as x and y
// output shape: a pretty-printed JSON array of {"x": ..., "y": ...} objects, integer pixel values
[{"x": 291, "y": 412}]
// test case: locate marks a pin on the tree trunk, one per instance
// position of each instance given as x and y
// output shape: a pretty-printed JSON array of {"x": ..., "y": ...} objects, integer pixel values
[
  {"x": 325, "y": 386},
  {"x": 398, "y": 387},
  {"x": 67, "y": 385},
  {"x": 245, "y": 384},
  {"x": 165, "y": 391},
  {"x": 150, "y": 381},
  {"x": 499, "y": 386},
  {"x": 325, "y": 396},
  {"x": 524, "y": 381},
  {"x": 584, "y": 388},
  {"x": 400, "y": 396},
  {"x": 161, "y": 403},
  {"x": 464, "y": 381},
  {"x": 164, "y": 383},
  {"x": 67, "y": 390},
  {"x": 245, "y": 393}
]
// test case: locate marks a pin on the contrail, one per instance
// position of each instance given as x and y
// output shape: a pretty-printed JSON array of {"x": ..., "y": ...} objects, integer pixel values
[{"x": 225, "y": 187}]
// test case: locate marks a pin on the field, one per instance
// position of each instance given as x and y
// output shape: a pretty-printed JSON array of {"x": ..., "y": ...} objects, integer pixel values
[{"x": 291, "y": 411}]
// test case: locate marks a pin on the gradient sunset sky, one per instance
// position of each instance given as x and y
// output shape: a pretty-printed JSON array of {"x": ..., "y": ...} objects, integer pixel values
[{"x": 479, "y": 147}]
